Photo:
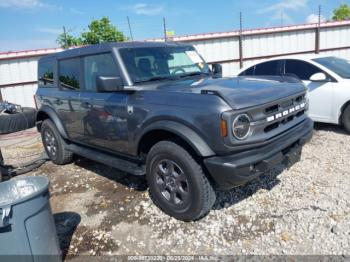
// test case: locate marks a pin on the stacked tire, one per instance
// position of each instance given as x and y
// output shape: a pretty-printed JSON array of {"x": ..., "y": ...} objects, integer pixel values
[{"x": 11, "y": 123}]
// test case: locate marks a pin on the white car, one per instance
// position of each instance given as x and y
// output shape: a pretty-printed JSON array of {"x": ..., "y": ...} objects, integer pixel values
[{"x": 326, "y": 77}]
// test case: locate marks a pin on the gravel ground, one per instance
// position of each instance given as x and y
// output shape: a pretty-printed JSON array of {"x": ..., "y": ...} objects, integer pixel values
[{"x": 301, "y": 211}]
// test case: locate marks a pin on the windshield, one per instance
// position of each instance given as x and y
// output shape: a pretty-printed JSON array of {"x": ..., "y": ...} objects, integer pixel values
[
  {"x": 159, "y": 63},
  {"x": 338, "y": 65}
]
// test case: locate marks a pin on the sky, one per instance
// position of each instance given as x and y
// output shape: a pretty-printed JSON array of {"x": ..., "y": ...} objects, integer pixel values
[{"x": 32, "y": 24}]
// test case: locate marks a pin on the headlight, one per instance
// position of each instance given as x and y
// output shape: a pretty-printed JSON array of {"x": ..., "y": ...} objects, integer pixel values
[{"x": 241, "y": 126}]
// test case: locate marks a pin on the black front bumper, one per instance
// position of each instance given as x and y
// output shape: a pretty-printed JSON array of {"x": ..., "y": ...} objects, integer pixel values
[{"x": 237, "y": 169}]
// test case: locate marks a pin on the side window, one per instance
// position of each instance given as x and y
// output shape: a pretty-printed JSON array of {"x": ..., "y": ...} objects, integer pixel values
[
  {"x": 69, "y": 73},
  {"x": 248, "y": 72},
  {"x": 267, "y": 68},
  {"x": 98, "y": 65},
  {"x": 45, "y": 74},
  {"x": 301, "y": 69}
]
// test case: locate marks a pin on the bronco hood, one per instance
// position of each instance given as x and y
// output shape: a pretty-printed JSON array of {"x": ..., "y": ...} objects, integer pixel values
[
  {"x": 242, "y": 92},
  {"x": 239, "y": 92}
]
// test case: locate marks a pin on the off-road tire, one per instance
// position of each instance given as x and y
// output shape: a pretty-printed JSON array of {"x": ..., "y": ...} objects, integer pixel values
[
  {"x": 346, "y": 119},
  {"x": 62, "y": 155},
  {"x": 201, "y": 193},
  {"x": 11, "y": 123}
]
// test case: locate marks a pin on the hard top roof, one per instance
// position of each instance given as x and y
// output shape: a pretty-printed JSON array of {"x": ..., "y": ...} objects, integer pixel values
[{"x": 105, "y": 47}]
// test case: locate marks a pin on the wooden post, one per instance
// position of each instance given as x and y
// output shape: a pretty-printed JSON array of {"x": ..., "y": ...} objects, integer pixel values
[{"x": 317, "y": 32}]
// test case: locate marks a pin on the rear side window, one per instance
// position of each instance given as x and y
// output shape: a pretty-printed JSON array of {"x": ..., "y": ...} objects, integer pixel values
[
  {"x": 69, "y": 73},
  {"x": 98, "y": 65},
  {"x": 301, "y": 69},
  {"x": 45, "y": 74},
  {"x": 267, "y": 68}
]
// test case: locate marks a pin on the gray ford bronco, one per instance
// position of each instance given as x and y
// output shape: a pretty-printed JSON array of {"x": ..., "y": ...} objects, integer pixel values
[{"x": 156, "y": 109}]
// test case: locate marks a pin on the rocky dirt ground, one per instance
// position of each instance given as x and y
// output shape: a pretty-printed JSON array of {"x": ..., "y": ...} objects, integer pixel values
[{"x": 301, "y": 211}]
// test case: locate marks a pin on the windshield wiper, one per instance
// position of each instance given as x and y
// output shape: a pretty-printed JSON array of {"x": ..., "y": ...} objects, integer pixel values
[{"x": 156, "y": 78}]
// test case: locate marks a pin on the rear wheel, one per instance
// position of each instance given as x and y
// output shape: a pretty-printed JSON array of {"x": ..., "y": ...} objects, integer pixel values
[
  {"x": 346, "y": 119},
  {"x": 177, "y": 183},
  {"x": 55, "y": 146}
]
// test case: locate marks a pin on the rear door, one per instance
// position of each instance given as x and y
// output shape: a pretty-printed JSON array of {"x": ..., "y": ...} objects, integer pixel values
[
  {"x": 320, "y": 93},
  {"x": 47, "y": 83},
  {"x": 66, "y": 100},
  {"x": 104, "y": 118}
]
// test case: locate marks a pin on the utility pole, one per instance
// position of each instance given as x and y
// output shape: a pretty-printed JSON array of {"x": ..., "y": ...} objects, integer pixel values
[
  {"x": 282, "y": 17},
  {"x": 131, "y": 37},
  {"x": 164, "y": 28},
  {"x": 240, "y": 41},
  {"x": 319, "y": 15},
  {"x": 65, "y": 37}
]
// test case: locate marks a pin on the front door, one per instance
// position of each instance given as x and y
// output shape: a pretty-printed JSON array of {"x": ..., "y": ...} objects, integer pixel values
[
  {"x": 320, "y": 93},
  {"x": 320, "y": 100},
  {"x": 104, "y": 118},
  {"x": 66, "y": 100}
]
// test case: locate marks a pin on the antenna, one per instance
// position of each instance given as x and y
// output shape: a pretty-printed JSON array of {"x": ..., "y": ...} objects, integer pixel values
[
  {"x": 130, "y": 31},
  {"x": 65, "y": 37},
  {"x": 164, "y": 28}
]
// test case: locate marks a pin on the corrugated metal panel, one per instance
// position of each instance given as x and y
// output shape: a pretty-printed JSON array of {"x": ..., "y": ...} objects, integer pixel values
[
  {"x": 334, "y": 37},
  {"x": 218, "y": 50},
  {"x": 18, "y": 70},
  {"x": 280, "y": 43},
  {"x": 21, "y": 94}
]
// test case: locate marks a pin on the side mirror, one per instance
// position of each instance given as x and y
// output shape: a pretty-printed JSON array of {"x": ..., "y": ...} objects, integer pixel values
[
  {"x": 109, "y": 83},
  {"x": 217, "y": 70},
  {"x": 318, "y": 77}
]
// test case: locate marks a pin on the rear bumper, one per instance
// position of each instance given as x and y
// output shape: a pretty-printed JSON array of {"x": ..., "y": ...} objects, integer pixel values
[{"x": 237, "y": 169}]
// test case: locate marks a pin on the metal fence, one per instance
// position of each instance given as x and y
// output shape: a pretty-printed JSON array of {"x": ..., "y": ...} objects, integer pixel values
[
  {"x": 18, "y": 70},
  {"x": 332, "y": 38}
]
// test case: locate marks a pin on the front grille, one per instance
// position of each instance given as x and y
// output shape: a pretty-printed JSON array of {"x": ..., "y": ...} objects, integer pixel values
[
  {"x": 284, "y": 112},
  {"x": 270, "y": 120},
  {"x": 271, "y": 109}
]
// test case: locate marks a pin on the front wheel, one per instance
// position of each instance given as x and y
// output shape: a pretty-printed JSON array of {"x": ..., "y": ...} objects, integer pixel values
[
  {"x": 177, "y": 183},
  {"x": 54, "y": 144},
  {"x": 346, "y": 119}
]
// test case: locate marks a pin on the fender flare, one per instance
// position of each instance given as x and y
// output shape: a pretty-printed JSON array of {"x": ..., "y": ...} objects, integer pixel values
[
  {"x": 54, "y": 118},
  {"x": 183, "y": 131}
]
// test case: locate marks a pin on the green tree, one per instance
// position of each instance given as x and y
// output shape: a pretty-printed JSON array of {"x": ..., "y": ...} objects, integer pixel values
[
  {"x": 66, "y": 40},
  {"x": 99, "y": 31},
  {"x": 341, "y": 13}
]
